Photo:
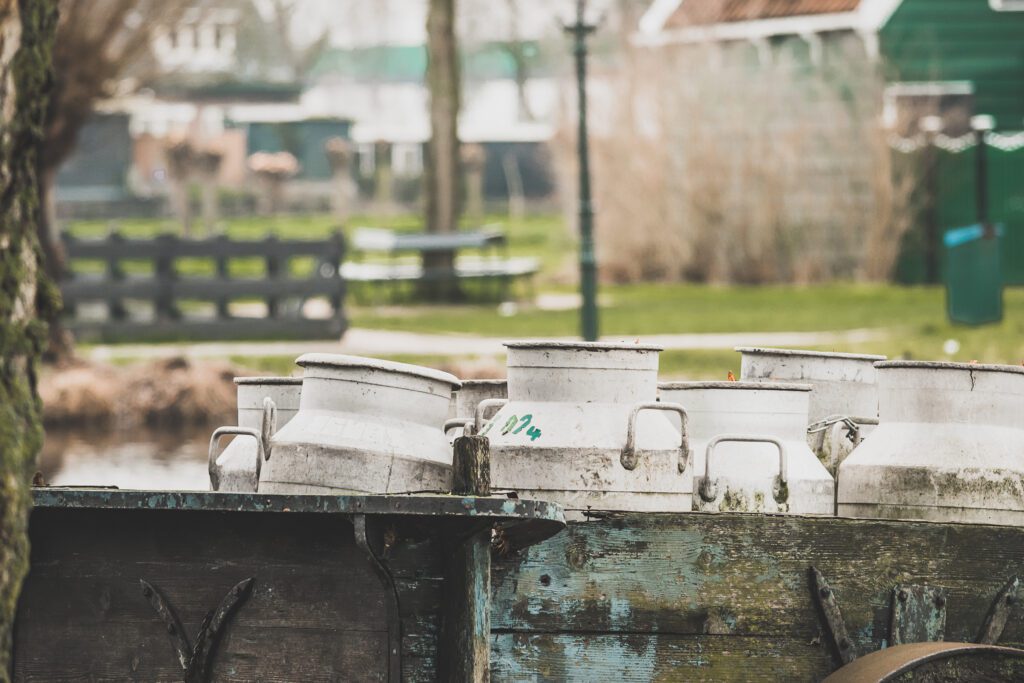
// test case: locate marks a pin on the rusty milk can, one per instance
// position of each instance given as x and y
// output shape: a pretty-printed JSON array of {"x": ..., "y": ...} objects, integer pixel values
[
  {"x": 749, "y": 448},
  {"x": 237, "y": 468},
  {"x": 363, "y": 426},
  {"x": 582, "y": 428},
  {"x": 949, "y": 446},
  {"x": 844, "y": 401}
]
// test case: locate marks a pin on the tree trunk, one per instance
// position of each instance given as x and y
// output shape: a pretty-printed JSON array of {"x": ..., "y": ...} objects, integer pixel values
[
  {"x": 442, "y": 170},
  {"x": 26, "y": 40},
  {"x": 60, "y": 348}
]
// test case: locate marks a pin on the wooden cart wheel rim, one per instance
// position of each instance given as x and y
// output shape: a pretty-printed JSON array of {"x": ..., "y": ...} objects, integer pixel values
[{"x": 885, "y": 665}]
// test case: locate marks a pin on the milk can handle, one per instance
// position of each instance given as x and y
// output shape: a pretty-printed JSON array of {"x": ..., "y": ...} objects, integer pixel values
[
  {"x": 457, "y": 422},
  {"x": 212, "y": 465},
  {"x": 629, "y": 458},
  {"x": 708, "y": 491},
  {"x": 268, "y": 425},
  {"x": 478, "y": 421}
]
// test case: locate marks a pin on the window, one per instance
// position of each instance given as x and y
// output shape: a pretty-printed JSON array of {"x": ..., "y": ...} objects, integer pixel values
[
  {"x": 367, "y": 160},
  {"x": 407, "y": 159},
  {"x": 1007, "y": 5},
  {"x": 906, "y": 104}
]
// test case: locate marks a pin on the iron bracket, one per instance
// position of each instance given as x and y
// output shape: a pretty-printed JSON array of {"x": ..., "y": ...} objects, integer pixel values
[
  {"x": 359, "y": 523},
  {"x": 828, "y": 609},
  {"x": 196, "y": 660},
  {"x": 999, "y": 613},
  {"x": 918, "y": 615}
]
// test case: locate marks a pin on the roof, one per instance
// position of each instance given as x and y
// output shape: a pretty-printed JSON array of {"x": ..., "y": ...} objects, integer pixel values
[
  {"x": 408, "y": 63},
  {"x": 704, "y": 12},
  {"x": 686, "y": 21}
]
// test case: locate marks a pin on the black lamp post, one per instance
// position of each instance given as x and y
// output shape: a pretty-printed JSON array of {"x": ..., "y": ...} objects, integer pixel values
[
  {"x": 981, "y": 125},
  {"x": 580, "y": 30}
]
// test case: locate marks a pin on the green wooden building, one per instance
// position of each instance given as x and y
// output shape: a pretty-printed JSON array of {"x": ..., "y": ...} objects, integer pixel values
[
  {"x": 898, "y": 60},
  {"x": 970, "y": 48}
]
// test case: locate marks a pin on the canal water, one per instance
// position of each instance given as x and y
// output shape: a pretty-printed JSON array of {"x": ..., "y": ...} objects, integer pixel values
[{"x": 136, "y": 459}]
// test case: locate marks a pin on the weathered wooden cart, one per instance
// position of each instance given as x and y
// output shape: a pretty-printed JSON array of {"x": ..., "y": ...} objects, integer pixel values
[
  {"x": 165, "y": 586},
  {"x": 196, "y": 586}
]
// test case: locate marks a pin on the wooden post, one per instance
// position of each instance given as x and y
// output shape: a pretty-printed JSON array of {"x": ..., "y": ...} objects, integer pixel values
[
  {"x": 163, "y": 269},
  {"x": 336, "y": 254},
  {"x": 224, "y": 274},
  {"x": 471, "y": 466},
  {"x": 273, "y": 272},
  {"x": 115, "y": 274},
  {"x": 466, "y": 625}
]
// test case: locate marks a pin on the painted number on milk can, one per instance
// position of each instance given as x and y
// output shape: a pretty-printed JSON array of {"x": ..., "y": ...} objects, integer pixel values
[{"x": 515, "y": 425}]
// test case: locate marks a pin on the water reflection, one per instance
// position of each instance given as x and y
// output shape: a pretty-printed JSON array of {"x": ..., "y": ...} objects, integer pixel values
[{"x": 136, "y": 459}]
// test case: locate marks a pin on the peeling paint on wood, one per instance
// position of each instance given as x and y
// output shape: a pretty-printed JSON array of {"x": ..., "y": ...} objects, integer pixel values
[{"x": 604, "y": 597}]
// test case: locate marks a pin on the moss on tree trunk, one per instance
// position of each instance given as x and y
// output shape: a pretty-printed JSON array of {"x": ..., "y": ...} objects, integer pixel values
[{"x": 26, "y": 40}]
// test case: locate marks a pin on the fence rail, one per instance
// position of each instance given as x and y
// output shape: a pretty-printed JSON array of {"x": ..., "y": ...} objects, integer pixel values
[{"x": 166, "y": 287}]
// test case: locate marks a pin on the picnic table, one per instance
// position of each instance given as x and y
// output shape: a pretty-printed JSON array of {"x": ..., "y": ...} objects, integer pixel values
[{"x": 491, "y": 264}]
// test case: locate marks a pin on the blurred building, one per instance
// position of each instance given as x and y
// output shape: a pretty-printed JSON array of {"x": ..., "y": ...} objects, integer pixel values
[
  {"x": 954, "y": 58},
  {"x": 795, "y": 130},
  {"x": 231, "y": 82}
]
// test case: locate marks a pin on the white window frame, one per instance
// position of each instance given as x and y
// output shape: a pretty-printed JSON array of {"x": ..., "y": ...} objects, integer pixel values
[
  {"x": 407, "y": 159},
  {"x": 1007, "y": 5},
  {"x": 367, "y": 159},
  {"x": 894, "y": 91}
]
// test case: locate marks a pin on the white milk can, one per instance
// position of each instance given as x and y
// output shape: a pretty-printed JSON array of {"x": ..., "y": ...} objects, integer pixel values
[
  {"x": 949, "y": 446},
  {"x": 749, "y": 448},
  {"x": 363, "y": 426},
  {"x": 844, "y": 401},
  {"x": 467, "y": 398},
  {"x": 582, "y": 428},
  {"x": 237, "y": 468}
]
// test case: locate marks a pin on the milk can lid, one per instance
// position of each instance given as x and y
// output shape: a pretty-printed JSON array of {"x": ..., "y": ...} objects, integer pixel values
[
  {"x": 337, "y": 360},
  {"x": 483, "y": 382},
  {"x": 766, "y": 351},
  {"x": 948, "y": 365},
  {"x": 581, "y": 346},
  {"x": 750, "y": 386},
  {"x": 268, "y": 380}
]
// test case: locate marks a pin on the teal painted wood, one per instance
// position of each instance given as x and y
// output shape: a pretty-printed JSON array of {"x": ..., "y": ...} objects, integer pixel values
[
  {"x": 726, "y": 597},
  {"x": 961, "y": 40}
]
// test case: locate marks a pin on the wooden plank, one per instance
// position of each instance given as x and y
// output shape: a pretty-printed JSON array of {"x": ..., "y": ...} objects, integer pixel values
[
  {"x": 208, "y": 329},
  {"x": 317, "y": 610},
  {"x": 465, "y": 652},
  {"x": 471, "y": 466},
  {"x": 198, "y": 288},
  {"x": 746, "y": 576},
  {"x": 176, "y": 247},
  {"x": 386, "y": 241},
  {"x": 641, "y": 658}
]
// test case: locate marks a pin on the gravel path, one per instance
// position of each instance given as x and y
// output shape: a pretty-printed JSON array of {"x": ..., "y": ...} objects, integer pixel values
[{"x": 388, "y": 343}]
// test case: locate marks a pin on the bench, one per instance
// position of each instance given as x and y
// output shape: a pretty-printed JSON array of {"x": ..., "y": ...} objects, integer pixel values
[{"x": 491, "y": 265}]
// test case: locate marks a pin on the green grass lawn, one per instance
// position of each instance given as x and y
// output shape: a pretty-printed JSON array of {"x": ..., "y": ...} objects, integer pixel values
[{"x": 913, "y": 318}]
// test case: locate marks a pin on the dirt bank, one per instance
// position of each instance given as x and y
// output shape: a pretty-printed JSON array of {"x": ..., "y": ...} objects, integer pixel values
[
  {"x": 164, "y": 393},
  {"x": 167, "y": 392}
]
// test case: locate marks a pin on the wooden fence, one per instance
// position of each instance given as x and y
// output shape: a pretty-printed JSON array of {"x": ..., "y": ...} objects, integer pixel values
[{"x": 149, "y": 270}]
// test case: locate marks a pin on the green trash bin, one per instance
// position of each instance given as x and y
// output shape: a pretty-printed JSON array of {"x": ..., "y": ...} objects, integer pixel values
[{"x": 974, "y": 279}]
